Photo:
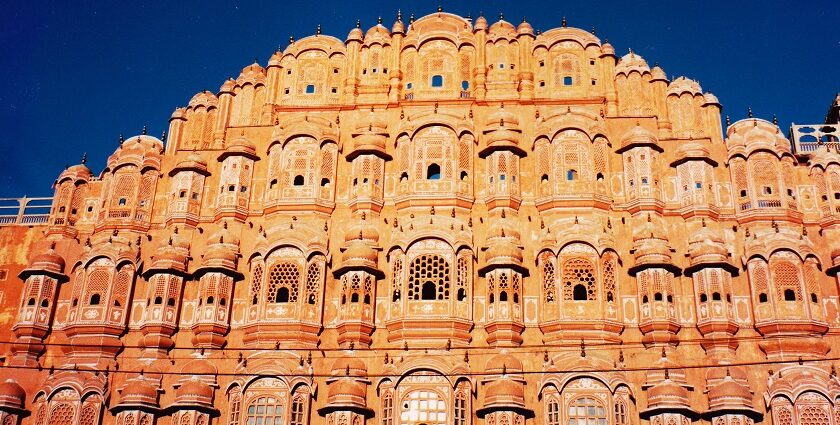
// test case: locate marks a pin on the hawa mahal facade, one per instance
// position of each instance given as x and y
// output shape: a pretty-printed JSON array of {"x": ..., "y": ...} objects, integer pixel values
[{"x": 443, "y": 222}]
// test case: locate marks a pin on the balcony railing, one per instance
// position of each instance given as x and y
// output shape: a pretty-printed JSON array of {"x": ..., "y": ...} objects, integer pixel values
[
  {"x": 24, "y": 211},
  {"x": 807, "y": 138}
]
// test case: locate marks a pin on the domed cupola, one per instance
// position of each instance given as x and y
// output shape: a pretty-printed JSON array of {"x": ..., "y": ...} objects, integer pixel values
[
  {"x": 139, "y": 393},
  {"x": 356, "y": 33},
  {"x": 525, "y": 28},
  {"x": 240, "y": 146},
  {"x": 48, "y": 263},
  {"x": 398, "y": 27},
  {"x": 370, "y": 137},
  {"x": 684, "y": 85},
  {"x": 222, "y": 253},
  {"x": 731, "y": 395},
  {"x": 12, "y": 398},
  {"x": 360, "y": 250},
  {"x": 480, "y": 23},
  {"x": 504, "y": 393},
  {"x": 607, "y": 49},
  {"x": 638, "y": 136},
  {"x": 141, "y": 151},
  {"x": 502, "y": 29},
  {"x": 630, "y": 63},
  {"x": 171, "y": 257},
  {"x": 78, "y": 172},
  {"x": 502, "y": 133},
  {"x": 651, "y": 247},
  {"x": 377, "y": 33},
  {"x": 693, "y": 151},
  {"x": 706, "y": 248},
  {"x": 503, "y": 249},
  {"x": 347, "y": 389},
  {"x": 667, "y": 392},
  {"x": 754, "y": 134},
  {"x": 658, "y": 74},
  {"x": 194, "y": 394}
]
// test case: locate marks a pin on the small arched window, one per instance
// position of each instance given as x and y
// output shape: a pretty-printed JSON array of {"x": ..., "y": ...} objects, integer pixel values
[
  {"x": 282, "y": 295},
  {"x": 94, "y": 299},
  {"x": 790, "y": 295},
  {"x": 123, "y": 201},
  {"x": 158, "y": 300},
  {"x": 298, "y": 181},
  {"x": 762, "y": 297},
  {"x": 715, "y": 296},
  {"x": 571, "y": 175},
  {"x": 503, "y": 296},
  {"x": 437, "y": 81},
  {"x": 310, "y": 89},
  {"x": 567, "y": 81},
  {"x": 465, "y": 85},
  {"x": 433, "y": 172},
  {"x": 579, "y": 292},
  {"x": 429, "y": 291},
  {"x": 325, "y": 182},
  {"x": 46, "y": 303}
]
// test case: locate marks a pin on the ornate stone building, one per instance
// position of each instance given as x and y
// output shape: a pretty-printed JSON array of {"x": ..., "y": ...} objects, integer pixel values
[{"x": 442, "y": 222}]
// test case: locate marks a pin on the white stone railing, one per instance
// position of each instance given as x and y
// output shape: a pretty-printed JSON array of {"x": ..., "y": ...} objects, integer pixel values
[
  {"x": 807, "y": 138},
  {"x": 24, "y": 211}
]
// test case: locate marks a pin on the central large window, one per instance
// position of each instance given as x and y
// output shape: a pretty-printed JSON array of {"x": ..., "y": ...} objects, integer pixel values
[
  {"x": 265, "y": 411},
  {"x": 423, "y": 407},
  {"x": 587, "y": 411}
]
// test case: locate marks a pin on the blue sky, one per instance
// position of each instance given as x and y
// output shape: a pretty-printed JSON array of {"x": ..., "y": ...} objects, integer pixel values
[{"x": 77, "y": 74}]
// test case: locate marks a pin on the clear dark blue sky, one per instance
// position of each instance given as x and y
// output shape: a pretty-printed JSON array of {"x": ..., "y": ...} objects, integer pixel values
[{"x": 77, "y": 74}]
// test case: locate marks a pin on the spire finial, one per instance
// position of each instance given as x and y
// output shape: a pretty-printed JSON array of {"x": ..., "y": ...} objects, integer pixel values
[
  {"x": 379, "y": 20},
  {"x": 163, "y": 136},
  {"x": 524, "y": 20},
  {"x": 122, "y": 139},
  {"x": 291, "y": 39},
  {"x": 564, "y": 23},
  {"x": 143, "y": 132},
  {"x": 667, "y": 374},
  {"x": 358, "y": 23},
  {"x": 593, "y": 30},
  {"x": 501, "y": 16},
  {"x": 411, "y": 19},
  {"x": 728, "y": 121},
  {"x": 749, "y": 112},
  {"x": 399, "y": 15},
  {"x": 440, "y": 9},
  {"x": 775, "y": 120},
  {"x": 256, "y": 59},
  {"x": 84, "y": 158},
  {"x": 318, "y": 30}
]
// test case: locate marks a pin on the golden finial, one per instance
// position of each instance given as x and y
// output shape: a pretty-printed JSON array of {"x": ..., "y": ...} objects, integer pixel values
[
  {"x": 501, "y": 16},
  {"x": 593, "y": 30},
  {"x": 728, "y": 121},
  {"x": 163, "y": 136},
  {"x": 291, "y": 39},
  {"x": 318, "y": 30},
  {"x": 399, "y": 15},
  {"x": 749, "y": 112},
  {"x": 143, "y": 132},
  {"x": 379, "y": 20},
  {"x": 84, "y": 158},
  {"x": 563, "y": 23},
  {"x": 411, "y": 19},
  {"x": 775, "y": 120},
  {"x": 358, "y": 23},
  {"x": 440, "y": 9}
]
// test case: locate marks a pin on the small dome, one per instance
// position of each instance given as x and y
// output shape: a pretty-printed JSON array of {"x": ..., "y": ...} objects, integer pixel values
[
  {"x": 240, "y": 146},
  {"x": 607, "y": 49},
  {"x": 710, "y": 99},
  {"x": 139, "y": 390},
  {"x": 684, "y": 85},
  {"x": 253, "y": 68},
  {"x": 347, "y": 387},
  {"x": 504, "y": 362},
  {"x": 199, "y": 367},
  {"x": 75, "y": 173},
  {"x": 503, "y": 118},
  {"x": 525, "y": 28},
  {"x": 503, "y": 394},
  {"x": 12, "y": 394},
  {"x": 728, "y": 391},
  {"x": 48, "y": 260},
  {"x": 355, "y": 365},
  {"x": 228, "y": 86},
  {"x": 362, "y": 231},
  {"x": 637, "y": 136},
  {"x": 502, "y": 28},
  {"x": 193, "y": 162},
  {"x": 193, "y": 391},
  {"x": 398, "y": 27},
  {"x": 359, "y": 251},
  {"x": 480, "y": 23},
  {"x": 658, "y": 73},
  {"x": 377, "y": 31},
  {"x": 667, "y": 394},
  {"x": 355, "y": 35},
  {"x": 224, "y": 236},
  {"x": 631, "y": 62},
  {"x": 692, "y": 150}
]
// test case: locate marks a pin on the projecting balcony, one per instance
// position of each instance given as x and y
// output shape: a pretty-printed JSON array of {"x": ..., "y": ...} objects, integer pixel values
[{"x": 807, "y": 138}]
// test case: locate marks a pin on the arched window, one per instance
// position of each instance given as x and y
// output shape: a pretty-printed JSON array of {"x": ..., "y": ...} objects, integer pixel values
[
  {"x": 283, "y": 282},
  {"x": 571, "y": 175},
  {"x": 265, "y": 411},
  {"x": 298, "y": 180},
  {"x": 433, "y": 172},
  {"x": 587, "y": 410},
  {"x": 579, "y": 292},
  {"x": 790, "y": 295},
  {"x": 424, "y": 407},
  {"x": 94, "y": 299},
  {"x": 429, "y": 278},
  {"x": 437, "y": 81},
  {"x": 552, "y": 411},
  {"x": 579, "y": 281}
]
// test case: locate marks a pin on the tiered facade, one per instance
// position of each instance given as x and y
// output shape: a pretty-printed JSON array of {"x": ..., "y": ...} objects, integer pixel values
[{"x": 442, "y": 222}]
